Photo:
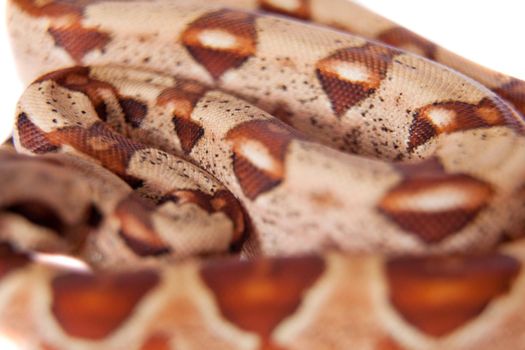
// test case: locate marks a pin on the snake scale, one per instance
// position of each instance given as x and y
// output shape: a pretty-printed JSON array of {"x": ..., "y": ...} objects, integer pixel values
[{"x": 236, "y": 176}]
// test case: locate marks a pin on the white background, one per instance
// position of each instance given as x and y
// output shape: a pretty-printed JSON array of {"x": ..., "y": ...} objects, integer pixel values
[{"x": 489, "y": 32}]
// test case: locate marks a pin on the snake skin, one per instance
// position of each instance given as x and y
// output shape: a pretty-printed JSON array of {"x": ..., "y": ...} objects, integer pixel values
[{"x": 230, "y": 178}]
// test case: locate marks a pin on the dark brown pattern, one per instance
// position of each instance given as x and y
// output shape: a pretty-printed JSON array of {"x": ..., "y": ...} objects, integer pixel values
[
  {"x": 78, "y": 79},
  {"x": 94, "y": 306},
  {"x": 453, "y": 116},
  {"x": 239, "y": 29},
  {"x": 189, "y": 133},
  {"x": 514, "y": 91},
  {"x": 136, "y": 228},
  {"x": 134, "y": 111},
  {"x": 372, "y": 60},
  {"x": 182, "y": 100},
  {"x": 256, "y": 296},
  {"x": 260, "y": 139},
  {"x": 402, "y": 203},
  {"x": 112, "y": 150},
  {"x": 66, "y": 25},
  {"x": 38, "y": 213},
  {"x": 405, "y": 39},
  {"x": 31, "y": 137},
  {"x": 79, "y": 41},
  {"x": 10, "y": 260},
  {"x": 302, "y": 11},
  {"x": 437, "y": 295}
]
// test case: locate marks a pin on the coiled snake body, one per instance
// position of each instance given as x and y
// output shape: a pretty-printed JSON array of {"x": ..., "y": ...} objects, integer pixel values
[{"x": 369, "y": 197}]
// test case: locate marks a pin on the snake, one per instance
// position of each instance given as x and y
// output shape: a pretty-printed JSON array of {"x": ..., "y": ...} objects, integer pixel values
[{"x": 256, "y": 174}]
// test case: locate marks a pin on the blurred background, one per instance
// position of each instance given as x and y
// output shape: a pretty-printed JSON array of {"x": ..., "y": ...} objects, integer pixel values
[{"x": 486, "y": 31}]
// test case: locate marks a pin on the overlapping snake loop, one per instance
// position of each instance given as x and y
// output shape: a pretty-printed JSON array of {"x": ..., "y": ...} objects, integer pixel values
[{"x": 233, "y": 179}]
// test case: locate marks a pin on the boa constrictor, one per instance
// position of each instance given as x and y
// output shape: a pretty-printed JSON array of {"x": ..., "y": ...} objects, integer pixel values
[{"x": 334, "y": 192}]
